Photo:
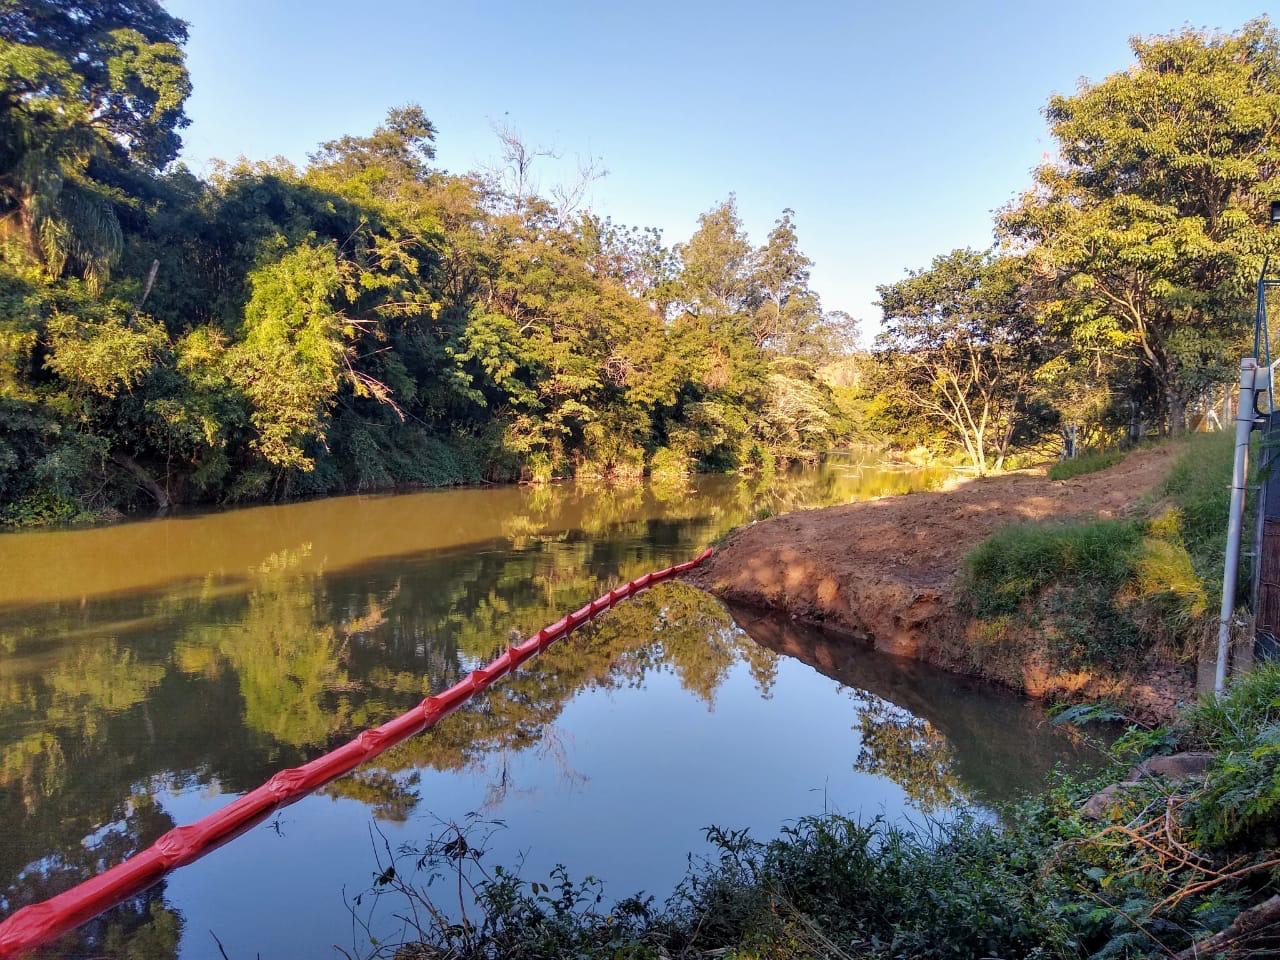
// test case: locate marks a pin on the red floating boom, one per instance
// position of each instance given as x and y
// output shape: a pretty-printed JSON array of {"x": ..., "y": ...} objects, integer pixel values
[{"x": 39, "y": 923}]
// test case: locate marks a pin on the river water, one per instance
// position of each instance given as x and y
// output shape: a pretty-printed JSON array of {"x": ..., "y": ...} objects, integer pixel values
[{"x": 152, "y": 671}]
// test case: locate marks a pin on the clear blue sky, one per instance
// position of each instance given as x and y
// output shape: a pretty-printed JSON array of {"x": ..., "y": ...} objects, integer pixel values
[{"x": 893, "y": 129}]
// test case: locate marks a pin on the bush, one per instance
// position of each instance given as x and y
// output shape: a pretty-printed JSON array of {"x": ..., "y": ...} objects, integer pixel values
[
  {"x": 1240, "y": 801},
  {"x": 963, "y": 889},
  {"x": 1016, "y": 563},
  {"x": 48, "y": 471},
  {"x": 827, "y": 886},
  {"x": 1086, "y": 463},
  {"x": 1232, "y": 721},
  {"x": 669, "y": 463}
]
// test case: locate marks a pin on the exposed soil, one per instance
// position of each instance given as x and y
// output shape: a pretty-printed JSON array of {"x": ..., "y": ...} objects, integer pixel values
[{"x": 885, "y": 570}]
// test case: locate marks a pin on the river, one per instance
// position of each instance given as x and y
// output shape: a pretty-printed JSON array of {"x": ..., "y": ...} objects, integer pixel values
[{"x": 151, "y": 671}]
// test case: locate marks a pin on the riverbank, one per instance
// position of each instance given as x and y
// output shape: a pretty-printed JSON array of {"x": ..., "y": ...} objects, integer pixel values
[{"x": 890, "y": 572}]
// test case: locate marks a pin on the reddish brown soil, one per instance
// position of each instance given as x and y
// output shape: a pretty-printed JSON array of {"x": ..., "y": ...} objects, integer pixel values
[{"x": 886, "y": 569}]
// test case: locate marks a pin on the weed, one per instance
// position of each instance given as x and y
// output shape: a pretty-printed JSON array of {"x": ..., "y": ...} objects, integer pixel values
[
  {"x": 1104, "y": 592},
  {"x": 1018, "y": 562}
]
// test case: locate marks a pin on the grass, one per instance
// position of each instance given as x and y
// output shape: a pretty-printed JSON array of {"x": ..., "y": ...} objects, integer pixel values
[
  {"x": 1087, "y": 463},
  {"x": 1016, "y": 563},
  {"x": 1103, "y": 592}
]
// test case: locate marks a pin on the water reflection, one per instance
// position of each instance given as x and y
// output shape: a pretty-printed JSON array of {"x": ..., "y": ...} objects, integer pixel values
[
  {"x": 206, "y": 552},
  {"x": 231, "y": 645},
  {"x": 940, "y": 736}
]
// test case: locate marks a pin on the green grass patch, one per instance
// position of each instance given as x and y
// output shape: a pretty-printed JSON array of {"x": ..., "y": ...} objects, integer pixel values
[
  {"x": 1199, "y": 485},
  {"x": 1016, "y": 563},
  {"x": 1087, "y": 463},
  {"x": 1102, "y": 592}
]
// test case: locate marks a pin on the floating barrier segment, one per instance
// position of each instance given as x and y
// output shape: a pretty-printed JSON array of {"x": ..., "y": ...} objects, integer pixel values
[{"x": 37, "y": 924}]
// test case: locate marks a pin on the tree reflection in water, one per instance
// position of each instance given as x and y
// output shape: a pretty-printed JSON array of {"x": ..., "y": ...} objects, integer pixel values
[
  {"x": 923, "y": 727},
  {"x": 107, "y": 700}
]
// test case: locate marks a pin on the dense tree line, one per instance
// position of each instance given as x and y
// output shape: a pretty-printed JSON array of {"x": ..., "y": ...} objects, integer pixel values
[
  {"x": 370, "y": 320},
  {"x": 364, "y": 321},
  {"x": 1119, "y": 295}
]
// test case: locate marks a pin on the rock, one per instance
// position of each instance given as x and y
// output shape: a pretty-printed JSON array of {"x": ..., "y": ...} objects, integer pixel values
[
  {"x": 1175, "y": 767},
  {"x": 1095, "y": 808}
]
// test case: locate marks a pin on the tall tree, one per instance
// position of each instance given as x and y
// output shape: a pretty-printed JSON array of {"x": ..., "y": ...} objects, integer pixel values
[
  {"x": 961, "y": 348},
  {"x": 1152, "y": 217},
  {"x": 788, "y": 317},
  {"x": 84, "y": 88},
  {"x": 717, "y": 264}
]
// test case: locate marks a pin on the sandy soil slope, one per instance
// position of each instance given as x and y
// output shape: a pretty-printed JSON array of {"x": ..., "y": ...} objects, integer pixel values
[{"x": 886, "y": 569}]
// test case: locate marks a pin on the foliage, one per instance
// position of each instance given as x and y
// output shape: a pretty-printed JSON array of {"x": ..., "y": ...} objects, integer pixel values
[
  {"x": 961, "y": 349},
  {"x": 92, "y": 92},
  {"x": 1152, "y": 221},
  {"x": 1104, "y": 592},
  {"x": 1085, "y": 463},
  {"x": 317, "y": 330},
  {"x": 1240, "y": 802},
  {"x": 1230, "y": 722},
  {"x": 365, "y": 322}
]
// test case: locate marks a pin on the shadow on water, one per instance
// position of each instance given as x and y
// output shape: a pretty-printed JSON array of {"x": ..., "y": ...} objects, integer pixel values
[{"x": 134, "y": 699}]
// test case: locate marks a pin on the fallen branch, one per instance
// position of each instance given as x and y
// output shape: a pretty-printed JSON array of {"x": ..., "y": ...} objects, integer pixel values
[{"x": 1248, "y": 922}]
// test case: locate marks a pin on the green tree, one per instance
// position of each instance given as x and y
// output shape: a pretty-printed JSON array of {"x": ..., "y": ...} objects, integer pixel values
[
  {"x": 788, "y": 315},
  {"x": 85, "y": 90},
  {"x": 1151, "y": 219},
  {"x": 961, "y": 347},
  {"x": 291, "y": 360}
]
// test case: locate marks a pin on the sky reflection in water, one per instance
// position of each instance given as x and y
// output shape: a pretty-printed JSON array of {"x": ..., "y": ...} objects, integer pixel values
[{"x": 150, "y": 672}]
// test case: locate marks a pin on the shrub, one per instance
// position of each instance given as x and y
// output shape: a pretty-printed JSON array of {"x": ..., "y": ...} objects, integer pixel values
[
  {"x": 1016, "y": 563},
  {"x": 47, "y": 469},
  {"x": 668, "y": 462},
  {"x": 1241, "y": 797},
  {"x": 1231, "y": 721}
]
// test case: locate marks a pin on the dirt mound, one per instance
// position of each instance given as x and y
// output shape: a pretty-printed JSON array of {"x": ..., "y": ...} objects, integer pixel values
[{"x": 886, "y": 569}]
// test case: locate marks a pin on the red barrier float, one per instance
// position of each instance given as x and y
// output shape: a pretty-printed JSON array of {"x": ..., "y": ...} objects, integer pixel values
[{"x": 39, "y": 923}]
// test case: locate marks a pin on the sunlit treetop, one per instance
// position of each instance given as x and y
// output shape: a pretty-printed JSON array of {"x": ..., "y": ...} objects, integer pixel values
[{"x": 119, "y": 61}]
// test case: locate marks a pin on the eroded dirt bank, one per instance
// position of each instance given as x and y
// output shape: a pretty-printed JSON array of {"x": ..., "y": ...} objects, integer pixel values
[{"x": 885, "y": 570}]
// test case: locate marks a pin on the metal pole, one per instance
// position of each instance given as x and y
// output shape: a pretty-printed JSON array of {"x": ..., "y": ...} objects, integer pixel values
[
  {"x": 1261, "y": 389},
  {"x": 1235, "y": 519}
]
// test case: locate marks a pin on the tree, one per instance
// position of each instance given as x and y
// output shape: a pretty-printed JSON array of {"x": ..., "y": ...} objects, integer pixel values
[
  {"x": 290, "y": 363},
  {"x": 788, "y": 317},
  {"x": 85, "y": 90},
  {"x": 1151, "y": 219},
  {"x": 364, "y": 321},
  {"x": 716, "y": 265},
  {"x": 396, "y": 153},
  {"x": 961, "y": 347}
]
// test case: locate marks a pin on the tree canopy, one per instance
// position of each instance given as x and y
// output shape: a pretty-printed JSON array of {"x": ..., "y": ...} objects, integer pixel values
[
  {"x": 370, "y": 319},
  {"x": 365, "y": 321}
]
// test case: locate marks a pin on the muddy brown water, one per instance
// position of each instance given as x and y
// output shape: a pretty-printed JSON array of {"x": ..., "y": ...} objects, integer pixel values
[{"x": 152, "y": 671}]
